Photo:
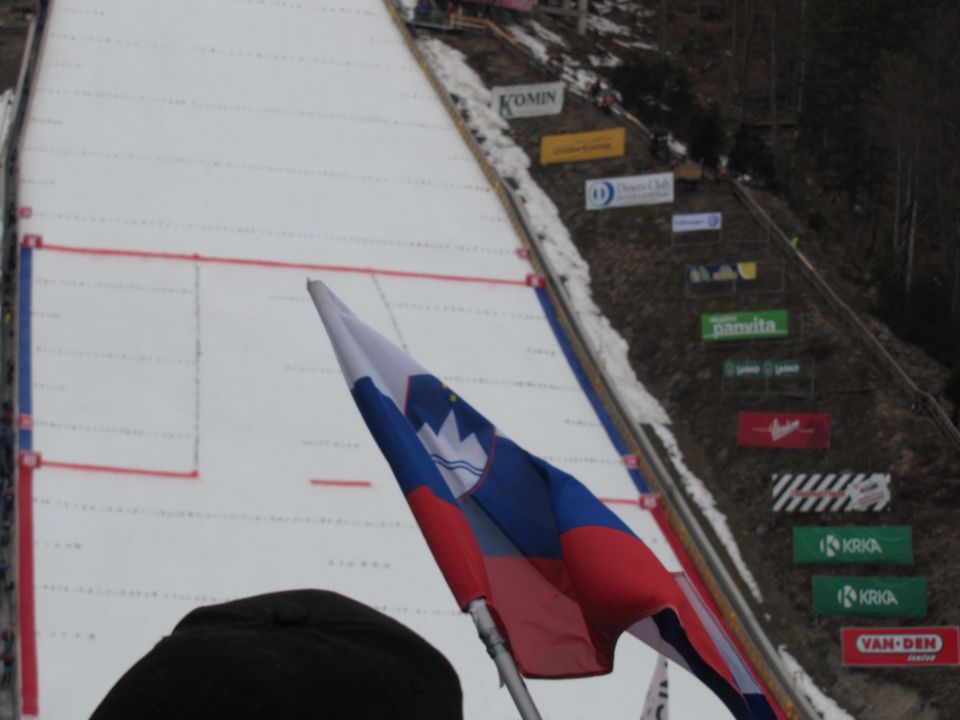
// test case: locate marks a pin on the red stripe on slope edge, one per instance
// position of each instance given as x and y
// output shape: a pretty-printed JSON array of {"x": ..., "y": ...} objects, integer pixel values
[
  {"x": 113, "y": 470},
  {"x": 691, "y": 572},
  {"x": 25, "y": 593}
]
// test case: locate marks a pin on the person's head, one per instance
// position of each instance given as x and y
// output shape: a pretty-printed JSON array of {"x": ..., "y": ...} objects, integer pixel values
[{"x": 297, "y": 654}]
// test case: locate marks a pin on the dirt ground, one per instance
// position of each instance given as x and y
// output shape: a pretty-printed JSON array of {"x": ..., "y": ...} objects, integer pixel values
[{"x": 638, "y": 282}]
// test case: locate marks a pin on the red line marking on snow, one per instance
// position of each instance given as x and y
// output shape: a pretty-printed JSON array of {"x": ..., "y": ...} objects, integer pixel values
[
  {"x": 111, "y": 469},
  {"x": 25, "y": 589},
  {"x": 620, "y": 501},
  {"x": 26, "y": 212},
  {"x": 32, "y": 241},
  {"x": 277, "y": 264},
  {"x": 343, "y": 483}
]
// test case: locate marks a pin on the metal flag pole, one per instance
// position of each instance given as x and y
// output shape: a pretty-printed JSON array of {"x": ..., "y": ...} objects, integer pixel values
[{"x": 497, "y": 648}]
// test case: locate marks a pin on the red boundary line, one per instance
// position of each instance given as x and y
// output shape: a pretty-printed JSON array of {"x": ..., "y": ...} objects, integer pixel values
[
  {"x": 194, "y": 257},
  {"x": 192, "y": 475},
  {"x": 691, "y": 572},
  {"x": 25, "y": 593},
  {"x": 343, "y": 483},
  {"x": 620, "y": 501}
]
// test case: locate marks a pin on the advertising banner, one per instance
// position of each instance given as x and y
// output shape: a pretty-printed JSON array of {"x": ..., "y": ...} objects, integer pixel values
[
  {"x": 697, "y": 222},
  {"x": 651, "y": 189},
  {"x": 831, "y": 492},
  {"x": 744, "y": 325},
  {"x": 886, "y": 544},
  {"x": 722, "y": 272},
  {"x": 881, "y": 597},
  {"x": 901, "y": 646},
  {"x": 575, "y": 147},
  {"x": 783, "y": 430},
  {"x": 746, "y": 369},
  {"x": 516, "y": 101}
]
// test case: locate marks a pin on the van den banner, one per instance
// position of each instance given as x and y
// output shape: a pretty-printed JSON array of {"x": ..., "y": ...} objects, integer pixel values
[
  {"x": 876, "y": 596},
  {"x": 575, "y": 147},
  {"x": 783, "y": 430},
  {"x": 901, "y": 646},
  {"x": 652, "y": 189},
  {"x": 744, "y": 325},
  {"x": 831, "y": 492},
  {"x": 519, "y": 101},
  {"x": 722, "y": 272},
  {"x": 751, "y": 369},
  {"x": 881, "y": 544},
  {"x": 697, "y": 222}
]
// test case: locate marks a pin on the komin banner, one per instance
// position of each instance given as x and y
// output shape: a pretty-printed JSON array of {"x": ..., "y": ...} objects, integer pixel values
[{"x": 519, "y": 101}]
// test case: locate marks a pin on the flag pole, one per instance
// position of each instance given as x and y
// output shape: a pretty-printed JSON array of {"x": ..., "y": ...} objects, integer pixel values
[{"x": 497, "y": 649}]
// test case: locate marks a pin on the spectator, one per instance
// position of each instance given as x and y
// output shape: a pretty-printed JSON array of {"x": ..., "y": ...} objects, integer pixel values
[
  {"x": 305, "y": 653},
  {"x": 7, "y": 668}
]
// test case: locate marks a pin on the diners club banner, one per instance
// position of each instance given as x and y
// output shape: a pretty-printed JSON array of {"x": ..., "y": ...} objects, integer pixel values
[{"x": 783, "y": 430}]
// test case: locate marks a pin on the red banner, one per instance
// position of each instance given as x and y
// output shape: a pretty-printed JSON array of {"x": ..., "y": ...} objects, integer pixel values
[
  {"x": 783, "y": 430},
  {"x": 901, "y": 647}
]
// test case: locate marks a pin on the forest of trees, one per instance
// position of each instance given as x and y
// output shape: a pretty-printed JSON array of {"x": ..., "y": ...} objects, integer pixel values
[{"x": 851, "y": 110}]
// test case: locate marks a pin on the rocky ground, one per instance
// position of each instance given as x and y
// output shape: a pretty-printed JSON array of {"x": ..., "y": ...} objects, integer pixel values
[{"x": 638, "y": 281}]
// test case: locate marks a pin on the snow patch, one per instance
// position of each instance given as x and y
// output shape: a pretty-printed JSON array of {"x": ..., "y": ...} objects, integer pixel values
[
  {"x": 547, "y": 35},
  {"x": 825, "y": 706},
  {"x": 534, "y": 45},
  {"x": 609, "y": 60},
  {"x": 510, "y": 161},
  {"x": 605, "y": 26}
]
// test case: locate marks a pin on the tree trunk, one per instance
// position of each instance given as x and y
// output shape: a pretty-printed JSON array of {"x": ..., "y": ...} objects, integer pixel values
[
  {"x": 751, "y": 20},
  {"x": 733, "y": 50},
  {"x": 802, "y": 64},
  {"x": 663, "y": 28},
  {"x": 774, "y": 130}
]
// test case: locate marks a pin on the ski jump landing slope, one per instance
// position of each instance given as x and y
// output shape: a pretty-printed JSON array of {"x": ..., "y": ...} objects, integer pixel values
[{"x": 187, "y": 165}]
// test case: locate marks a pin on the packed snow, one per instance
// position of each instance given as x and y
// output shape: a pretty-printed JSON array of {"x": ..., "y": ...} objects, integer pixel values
[
  {"x": 825, "y": 706},
  {"x": 187, "y": 176}
]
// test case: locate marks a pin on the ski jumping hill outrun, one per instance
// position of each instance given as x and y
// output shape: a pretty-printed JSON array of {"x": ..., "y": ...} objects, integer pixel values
[{"x": 185, "y": 167}]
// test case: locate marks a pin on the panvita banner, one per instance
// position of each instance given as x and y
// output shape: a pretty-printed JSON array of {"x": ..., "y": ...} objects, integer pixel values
[
  {"x": 722, "y": 272},
  {"x": 651, "y": 189},
  {"x": 575, "y": 147},
  {"x": 901, "y": 646},
  {"x": 748, "y": 369},
  {"x": 744, "y": 325},
  {"x": 697, "y": 222},
  {"x": 880, "y": 597},
  {"x": 518, "y": 101},
  {"x": 783, "y": 430},
  {"x": 886, "y": 544}
]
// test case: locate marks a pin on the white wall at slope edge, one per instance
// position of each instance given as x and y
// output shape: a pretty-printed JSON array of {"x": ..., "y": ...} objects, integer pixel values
[{"x": 283, "y": 131}]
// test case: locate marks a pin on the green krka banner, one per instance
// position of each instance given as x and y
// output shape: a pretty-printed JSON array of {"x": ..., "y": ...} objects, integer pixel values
[
  {"x": 744, "y": 325},
  {"x": 880, "y": 597},
  {"x": 891, "y": 545}
]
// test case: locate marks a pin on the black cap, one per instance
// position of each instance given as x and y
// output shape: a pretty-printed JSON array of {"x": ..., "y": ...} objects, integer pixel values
[{"x": 299, "y": 654}]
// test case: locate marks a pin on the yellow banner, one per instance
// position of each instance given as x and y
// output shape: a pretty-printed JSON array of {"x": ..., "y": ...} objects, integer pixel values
[{"x": 582, "y": 146}]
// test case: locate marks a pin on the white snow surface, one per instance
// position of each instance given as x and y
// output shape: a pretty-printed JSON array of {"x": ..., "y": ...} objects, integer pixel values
[
  {"x": 827, "y": 708},
  {"x": 299, "y": 133},
  {"x": 509, "y": 160}
]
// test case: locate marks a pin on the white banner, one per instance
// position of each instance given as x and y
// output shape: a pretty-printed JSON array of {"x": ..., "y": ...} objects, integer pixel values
[
  {"x": 633, "y": 190},
  {"x": 696, "y": 222},
  {"x": 528, "y": 100},
  {"x": 657, "y": 705}
]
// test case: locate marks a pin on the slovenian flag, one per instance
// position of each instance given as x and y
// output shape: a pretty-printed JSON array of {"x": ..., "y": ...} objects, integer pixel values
[{"x": 563, "y": 576}]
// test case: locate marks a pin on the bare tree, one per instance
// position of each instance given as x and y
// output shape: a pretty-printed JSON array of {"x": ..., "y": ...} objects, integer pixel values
[
  {"x": 751, "y": 20},
  {"x": 774, "y": 123}
]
